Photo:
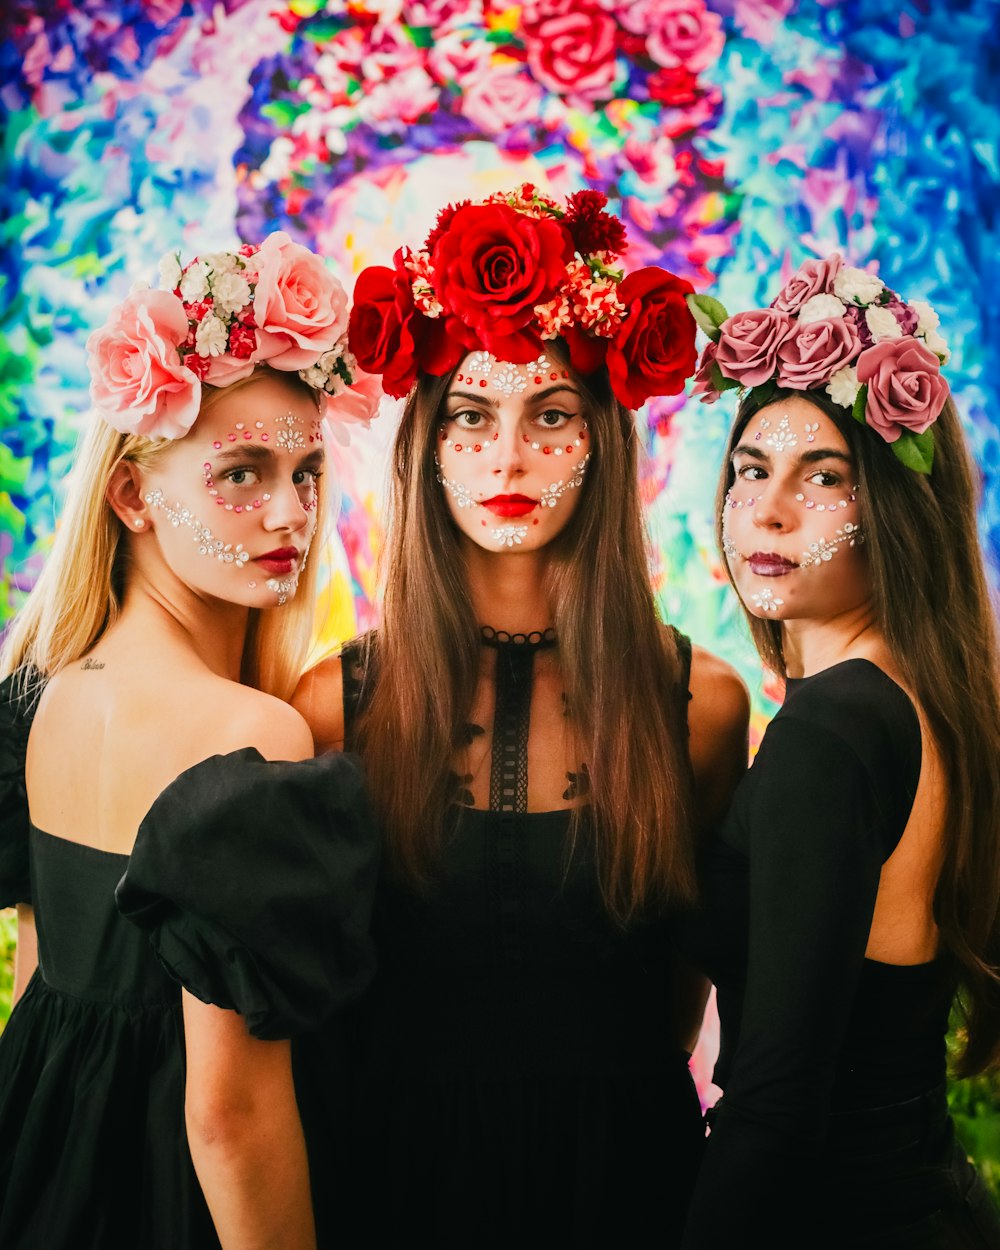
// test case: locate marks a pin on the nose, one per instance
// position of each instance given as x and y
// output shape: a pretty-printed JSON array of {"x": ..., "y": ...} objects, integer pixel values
[
  {"x": 510, "y": 448},
  {"x": 284, "y": 510},
  {"x": 774, "y": 506}
]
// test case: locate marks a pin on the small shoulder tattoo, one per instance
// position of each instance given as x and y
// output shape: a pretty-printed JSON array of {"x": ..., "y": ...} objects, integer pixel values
[{"x": 91, "y": 664}]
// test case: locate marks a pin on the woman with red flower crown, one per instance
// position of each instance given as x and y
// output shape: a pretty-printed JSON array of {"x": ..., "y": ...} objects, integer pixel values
[
  {"x": 540, "y": 748},
  {"x": 143, "y": 732},
  {"x": 855, "y": 882}
]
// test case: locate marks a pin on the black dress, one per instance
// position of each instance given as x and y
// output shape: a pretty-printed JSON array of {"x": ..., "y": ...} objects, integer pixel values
[
  {"x": 519, "y": 1083},
  {"x": 234, "y": 856},
  {"x": 833, "y": 1128}
]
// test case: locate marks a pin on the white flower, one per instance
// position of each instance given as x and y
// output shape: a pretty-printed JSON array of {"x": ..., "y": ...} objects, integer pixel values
[
  {"x": 194, "y": 284},
  {"x": 882, "y": 324},
  {"x": 170, "y": 271},
  {"x": 857, "y": 286},
  {"x": 230, "y": 291},
  {"x": 936, "y": 343},
  {"x": 138, "y": 286},
  {"x": 843, "y": 386},
  {"x": 211, "y": 336},
  {"x": 314, "y": 377},
  {"x": 927, "y": 318},
  {"x": 820, "y": 308},
  {"x": 220, "y": 262}
]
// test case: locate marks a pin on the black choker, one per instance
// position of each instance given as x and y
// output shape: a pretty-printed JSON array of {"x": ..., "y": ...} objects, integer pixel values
[{"x": 501, "y": 638}]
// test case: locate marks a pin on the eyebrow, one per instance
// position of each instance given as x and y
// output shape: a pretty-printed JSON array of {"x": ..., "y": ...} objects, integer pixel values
[
  {"x": 257, "y": 454},
  {"x": 806, "y": 457},
  {"x": 538, "y": 396}
]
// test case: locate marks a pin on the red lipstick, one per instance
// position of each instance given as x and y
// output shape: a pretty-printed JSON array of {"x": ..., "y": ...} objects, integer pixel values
[
  {"x": 770, "y": 564},
  {"x": 510, "y": 505},
  {"x": 278, "y": 562}
]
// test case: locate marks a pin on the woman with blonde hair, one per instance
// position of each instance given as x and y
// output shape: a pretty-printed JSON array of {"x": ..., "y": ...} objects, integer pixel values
[
  {"x": 541, "y": 749},
  {"x": 854, "y": 885},
  {"x": 144, "y": 729}
]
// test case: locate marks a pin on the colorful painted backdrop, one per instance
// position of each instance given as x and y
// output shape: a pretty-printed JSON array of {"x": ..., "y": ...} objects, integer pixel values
[{"x": 736, "y": 138}]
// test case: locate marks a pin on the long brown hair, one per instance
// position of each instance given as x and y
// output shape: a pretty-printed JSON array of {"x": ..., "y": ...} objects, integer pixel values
[
  {"x": 611, "y": 645},
  {"x": 931, "y": 602}
]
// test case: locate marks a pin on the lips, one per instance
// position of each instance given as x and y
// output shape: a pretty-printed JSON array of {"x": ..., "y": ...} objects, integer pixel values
[
  {"x": 278, "y": 562},
  {"x": 770, "y": 564},
  {"x": 510, "y": 505}
]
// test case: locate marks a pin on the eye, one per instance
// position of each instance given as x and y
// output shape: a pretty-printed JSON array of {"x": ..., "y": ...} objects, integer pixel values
[
  {"x": 301, "y": 476},
  {"x": 825, "y": 477},
  {"x": 554, "y": 418},
  {"x": 751, "y": 472},
  {"x": 468, "y": 419},
  {"x": 245, "y": 476}
]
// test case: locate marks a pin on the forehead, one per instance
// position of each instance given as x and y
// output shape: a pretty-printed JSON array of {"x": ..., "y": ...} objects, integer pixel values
[
  {"x": 502, "y": 382},
  {"x": 793, "y": 424},
  {"x": 265, "y": 404}
]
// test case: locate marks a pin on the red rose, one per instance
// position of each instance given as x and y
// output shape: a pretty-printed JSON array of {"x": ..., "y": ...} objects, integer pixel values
[
  {"x": 387, "y": 334},
  {"x": 653, "y": 352},
  {"x": 491, "y": 267},
  {"x": 242, "y": 341},
  {"x": 574, "y": 54}
]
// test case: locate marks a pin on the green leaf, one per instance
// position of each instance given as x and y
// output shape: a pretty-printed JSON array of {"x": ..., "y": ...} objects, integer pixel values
[
  {"x": 708, "y": 313},
  {"x": 860, "y": 403},
  {"x": 719, "y": 379},
  {"x": 916, "y": 451},
  {"x": 764, "y": 393}
]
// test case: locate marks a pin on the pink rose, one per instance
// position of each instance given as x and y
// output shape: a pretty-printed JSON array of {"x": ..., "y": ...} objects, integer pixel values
[
  {"x": 299, "y": 307},
  {"x": 359, "y": 403},
  {"x": 138, "y": 383},
  {"x": 813, "y": 353},
  {"x": 498, "y": 102},
  {"x": 704, "y": 386},
  {"x": 814, "y": 278},
  {"x": 747, "y": 350},
  {"x": 574, "y": 54},
  {"x": 682, "y": 33},
  {"x": 905, "y": 388}
]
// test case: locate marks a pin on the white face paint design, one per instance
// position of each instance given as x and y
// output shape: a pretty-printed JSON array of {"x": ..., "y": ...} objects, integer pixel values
[
  {"x": 260, "y": 487},
  {"x": 792, "y": 469},
  {"x": 504, "y": 429}
]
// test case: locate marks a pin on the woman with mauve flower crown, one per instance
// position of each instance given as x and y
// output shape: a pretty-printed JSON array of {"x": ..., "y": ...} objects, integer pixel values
[
  {"x": 540, "y": 748},
  {"x": 854, "y": 885},
  {"x": 146, "y": 1073}
]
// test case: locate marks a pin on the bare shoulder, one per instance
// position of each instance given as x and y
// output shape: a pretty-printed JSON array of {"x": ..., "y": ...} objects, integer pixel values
[
  {"x": 254, "y": 719},
  {"x": 319, "y": 698},
  {"x": 718, "y": 717}
]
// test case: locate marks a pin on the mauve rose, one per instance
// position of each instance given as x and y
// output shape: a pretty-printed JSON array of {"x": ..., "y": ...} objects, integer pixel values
[
  {"x": 138, "y": 382},
  {"x": 574, "y": 55},
  {"x": 682, "y": 33},
  {"x": 502, "y": 101},
  {"x": 856, "y": 317},
  {"x": 299, "y": 307},
  {"x": 703, "y": 384},
  {"x": 907, "y": 317},
  {"x": 814, "y": 352},
  {"x": 816, "y": 277},
  {"x": 747, "y": 350},
  {"x": 905, "y": 388}
]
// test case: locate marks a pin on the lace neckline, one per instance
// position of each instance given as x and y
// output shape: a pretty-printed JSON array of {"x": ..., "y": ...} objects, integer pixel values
[{"x": 533, "y": 641}]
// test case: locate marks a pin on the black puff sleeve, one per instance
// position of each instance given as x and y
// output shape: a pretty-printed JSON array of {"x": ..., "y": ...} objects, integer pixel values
[
  {"x": 254, "y": 880},
  {"x": 18, "y": 699}
]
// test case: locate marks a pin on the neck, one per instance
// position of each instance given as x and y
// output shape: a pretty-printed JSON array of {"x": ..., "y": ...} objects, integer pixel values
[
  {"x": 810, "y": 646},
  {"x": 508, "y": 590}
]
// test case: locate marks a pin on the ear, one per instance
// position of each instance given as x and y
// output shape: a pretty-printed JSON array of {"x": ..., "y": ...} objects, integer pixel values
[{"x": 124, "y": 496}]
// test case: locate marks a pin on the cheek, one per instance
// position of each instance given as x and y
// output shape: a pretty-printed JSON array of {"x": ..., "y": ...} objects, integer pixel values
[{"x": 453, "y": 443}]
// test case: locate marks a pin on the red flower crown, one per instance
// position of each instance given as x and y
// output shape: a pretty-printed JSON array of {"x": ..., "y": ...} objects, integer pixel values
[{"x": 509, "y": 272}]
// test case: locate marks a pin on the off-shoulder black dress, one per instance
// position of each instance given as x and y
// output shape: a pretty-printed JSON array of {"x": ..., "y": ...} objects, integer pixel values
[
  {"x": 254, "y": 880},
  {"x": 833, "y": 1128},
  {"x": 518, "y": 1077}
]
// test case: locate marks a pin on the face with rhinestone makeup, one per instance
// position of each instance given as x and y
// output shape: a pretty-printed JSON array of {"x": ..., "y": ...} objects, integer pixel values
[
  {"x": 512, "y": 451},
  {"x": 792, "y": 529},
  {"x": 233, "y": 505}
]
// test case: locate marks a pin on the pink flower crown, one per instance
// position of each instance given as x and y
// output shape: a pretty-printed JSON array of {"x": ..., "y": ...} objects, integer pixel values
[
  {"x": 507, "y": 273},
  {"x": 838, "y": 329},
  {"x": 213, "y": 321}
]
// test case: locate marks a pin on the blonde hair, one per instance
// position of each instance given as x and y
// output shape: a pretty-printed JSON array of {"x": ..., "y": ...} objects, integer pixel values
[{"x": 80, "y": 592}]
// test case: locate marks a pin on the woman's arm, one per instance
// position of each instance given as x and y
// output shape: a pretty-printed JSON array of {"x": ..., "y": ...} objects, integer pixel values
[
  {"x": 319, "y": 698},
  {"x": 245, "y": 1134},
  {"x": 718, "y": 720},
  {"x": 26, "y": 956}
]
